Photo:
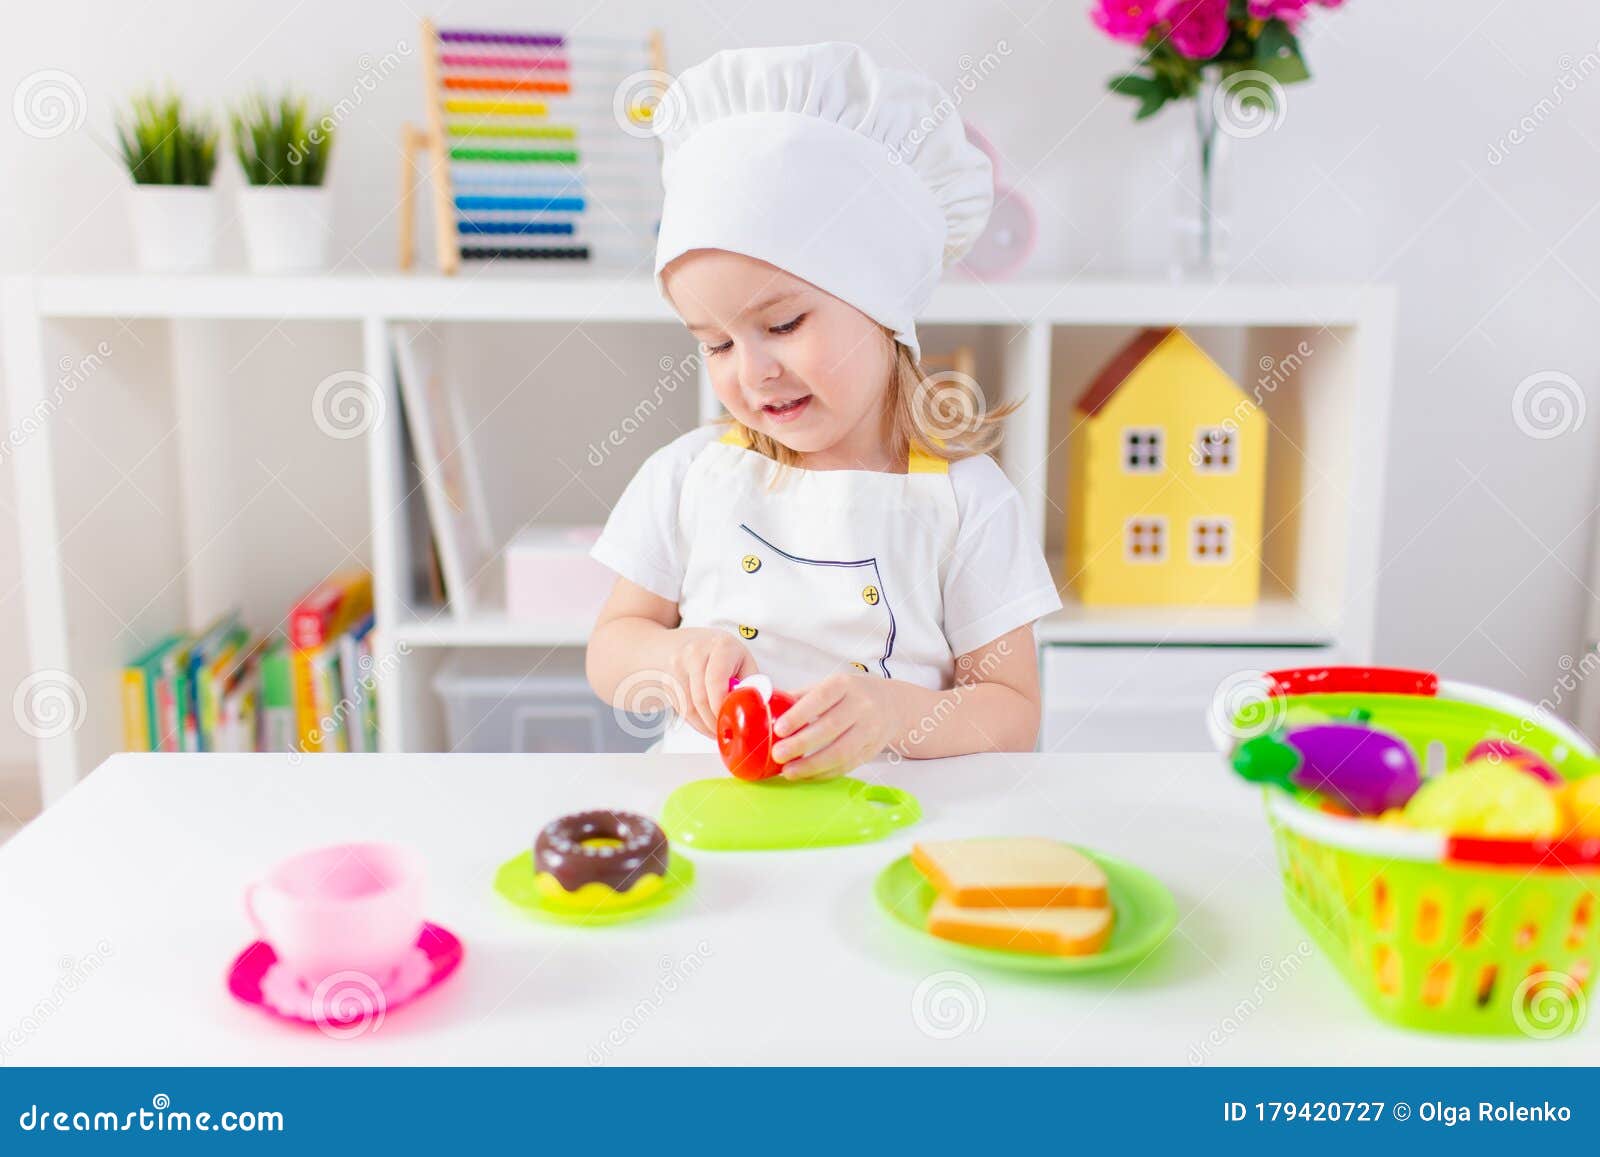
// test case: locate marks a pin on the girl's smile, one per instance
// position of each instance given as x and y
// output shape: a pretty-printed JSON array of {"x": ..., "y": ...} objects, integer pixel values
[{"x": 789, "y": 411}]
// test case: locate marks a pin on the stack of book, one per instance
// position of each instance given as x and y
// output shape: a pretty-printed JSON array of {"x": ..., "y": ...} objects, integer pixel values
[{"x": 227, "y": 690}]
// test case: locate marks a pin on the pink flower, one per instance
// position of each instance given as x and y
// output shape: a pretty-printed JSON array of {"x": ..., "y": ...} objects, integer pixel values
[
  {"x": 1129, "y": 21},
  {"x": 1288, "y": 11},
  {"x": 1199, "y": 28}
]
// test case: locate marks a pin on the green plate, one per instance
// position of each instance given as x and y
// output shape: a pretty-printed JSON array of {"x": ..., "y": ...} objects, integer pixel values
[
  {"x": 1145, "y": 911},
  {"x": 514, "y": 881},
  {"x": 735, "y": 815}
]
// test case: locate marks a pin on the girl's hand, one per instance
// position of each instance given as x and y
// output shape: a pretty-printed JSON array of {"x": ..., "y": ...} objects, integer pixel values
[
  {"x": 702, "y": 664},
  {"x": 835, "y": 727}
]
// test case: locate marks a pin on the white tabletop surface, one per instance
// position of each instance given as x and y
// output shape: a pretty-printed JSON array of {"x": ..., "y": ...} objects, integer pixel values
[{"x": 120, "y": 910}]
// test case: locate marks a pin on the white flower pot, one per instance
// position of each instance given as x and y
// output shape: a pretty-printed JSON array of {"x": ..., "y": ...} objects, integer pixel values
[
  {"x": 174, "y": 227},
  {"x": 287, "y": 228}
]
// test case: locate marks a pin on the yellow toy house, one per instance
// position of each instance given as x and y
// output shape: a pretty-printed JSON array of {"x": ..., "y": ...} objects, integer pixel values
[{"x": 1167, "y": 469}]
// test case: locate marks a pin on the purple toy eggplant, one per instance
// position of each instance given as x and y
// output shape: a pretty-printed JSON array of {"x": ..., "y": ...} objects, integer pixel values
[{"x": 1357, "y": 767}]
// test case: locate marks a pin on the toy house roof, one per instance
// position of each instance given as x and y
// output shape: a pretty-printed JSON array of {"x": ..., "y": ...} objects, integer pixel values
[{"x": 1120, "y": 368}]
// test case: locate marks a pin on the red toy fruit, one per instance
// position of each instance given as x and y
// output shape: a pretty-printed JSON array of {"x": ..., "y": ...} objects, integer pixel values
[
  {"x": 744, "y": 727},
  {"x": 1523, "y": 758}
]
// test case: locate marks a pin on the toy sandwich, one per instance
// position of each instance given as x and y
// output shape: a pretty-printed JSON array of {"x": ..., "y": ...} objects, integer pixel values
[{"x": 1025, "y": 894}]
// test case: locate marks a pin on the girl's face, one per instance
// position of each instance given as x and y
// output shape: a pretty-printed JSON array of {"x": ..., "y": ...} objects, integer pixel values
[{"x": 787, "y": 359}]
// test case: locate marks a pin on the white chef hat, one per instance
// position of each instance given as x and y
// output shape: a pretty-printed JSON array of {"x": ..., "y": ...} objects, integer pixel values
[{"x": 856, "y": 178}]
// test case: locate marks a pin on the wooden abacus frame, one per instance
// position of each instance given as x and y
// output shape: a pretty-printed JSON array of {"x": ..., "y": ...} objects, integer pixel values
[{"x": 433, "y": 140}]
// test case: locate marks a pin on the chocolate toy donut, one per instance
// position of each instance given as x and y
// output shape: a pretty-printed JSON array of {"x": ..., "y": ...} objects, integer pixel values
[{"x": 640, "y": 850}]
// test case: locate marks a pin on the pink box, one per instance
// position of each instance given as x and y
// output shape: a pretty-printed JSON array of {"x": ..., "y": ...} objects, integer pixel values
[{"x": 552, "y": 581}]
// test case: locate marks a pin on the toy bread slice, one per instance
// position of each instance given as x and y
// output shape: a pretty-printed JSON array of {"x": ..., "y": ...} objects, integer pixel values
[
  {"x": 1025, "y": 872},
  {"x": 1055, "y": 931}
]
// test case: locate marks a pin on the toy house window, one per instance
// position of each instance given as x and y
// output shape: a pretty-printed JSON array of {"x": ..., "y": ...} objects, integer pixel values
[
  {"x": 1215, "y": 450},
  {"x": 1145, "y": 540},
  {"x": 1211, "y": 540},
  {"x": 1142, "y": 450}
]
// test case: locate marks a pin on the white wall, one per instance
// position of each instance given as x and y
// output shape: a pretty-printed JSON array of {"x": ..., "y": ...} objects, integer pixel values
[{"x": 1381, "y": 170}]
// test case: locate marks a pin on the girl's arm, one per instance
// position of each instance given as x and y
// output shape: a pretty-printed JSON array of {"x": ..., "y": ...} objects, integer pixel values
[
  {"x": 994, "y": 705},
  {"x": 639, "y": 655},
  {"x": 848, "y": 719}
]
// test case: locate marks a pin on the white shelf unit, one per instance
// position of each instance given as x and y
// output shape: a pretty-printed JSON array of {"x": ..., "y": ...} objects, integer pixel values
[{"x": 181, "y": 473}]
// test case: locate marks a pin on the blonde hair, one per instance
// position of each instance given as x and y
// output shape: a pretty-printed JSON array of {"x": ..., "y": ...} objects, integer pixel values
[{"x": 944, "y": 415}]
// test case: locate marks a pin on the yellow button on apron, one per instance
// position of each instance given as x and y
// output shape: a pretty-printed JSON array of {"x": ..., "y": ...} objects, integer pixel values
[
  {"x": 748, "y": 632},
  {"x": 751, "y": 564},
  {"x": 870, "y": 594}
]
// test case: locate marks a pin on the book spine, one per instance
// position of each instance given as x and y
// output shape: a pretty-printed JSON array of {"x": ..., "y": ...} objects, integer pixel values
[
  {"x": 193, "y": 671},
  {"x": 188, "y": 725},
  {"x": 324, "y": 613},
  {"x": 244, "y": 722},
  {"x": 308, "y": 625},
  {"x": 277, "y": 723},
  {"x": 237, "y": 717},
  {"x": 135, "y": 710},
  {"x": 330, "y": 710},
  {"x": 352, "y": 695},
  {"x": 166, "y": 714},
  {"x": 307, "y": 737},
  {"x": 206, "y": 705},
  {"x": 368, "y": 682},
  {"x": 152, "y": 704}
]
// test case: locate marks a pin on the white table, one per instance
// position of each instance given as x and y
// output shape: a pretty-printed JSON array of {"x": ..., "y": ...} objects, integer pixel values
[{"x": 120, "y": 913}]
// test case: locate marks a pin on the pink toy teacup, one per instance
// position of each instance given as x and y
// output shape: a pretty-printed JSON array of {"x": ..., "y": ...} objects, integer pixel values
[{"x": 346, "y": 908}]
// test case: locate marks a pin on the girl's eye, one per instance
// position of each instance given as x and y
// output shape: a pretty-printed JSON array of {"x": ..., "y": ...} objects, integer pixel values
[
  {"x": 714, "y": 350},
  {"x": 789, "y": 326}
]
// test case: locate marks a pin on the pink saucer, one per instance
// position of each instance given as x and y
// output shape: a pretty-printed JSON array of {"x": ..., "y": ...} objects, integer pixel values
[{"x": 346, "y": 1003}]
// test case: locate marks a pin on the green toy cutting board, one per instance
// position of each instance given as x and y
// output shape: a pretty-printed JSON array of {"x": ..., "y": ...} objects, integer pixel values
[{"x": 734, "y": 815}]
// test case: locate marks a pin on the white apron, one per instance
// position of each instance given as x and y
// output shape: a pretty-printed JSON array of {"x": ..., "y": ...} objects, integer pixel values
[{"x": 833, "y": 570}]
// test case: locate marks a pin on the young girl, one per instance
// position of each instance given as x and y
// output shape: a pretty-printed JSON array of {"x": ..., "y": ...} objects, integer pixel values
[{"x": 843, "y": 531}]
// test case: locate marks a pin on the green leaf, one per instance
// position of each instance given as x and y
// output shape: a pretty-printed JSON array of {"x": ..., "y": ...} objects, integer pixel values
[
  {"x": 1134, "y": 85},
  {"x": 1150, "y": 107},
  {"x": 1278, "y": 54},
  {"x": 278, "y": 143},
  {"x": 163, "y": 145},
  {"x": 1284, "y": 69}
]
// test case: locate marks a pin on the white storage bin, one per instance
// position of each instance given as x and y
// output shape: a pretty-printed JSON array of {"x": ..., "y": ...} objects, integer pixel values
[
  {"x": 498, "y": 701},
  {"x": 1141, "y": 698}
]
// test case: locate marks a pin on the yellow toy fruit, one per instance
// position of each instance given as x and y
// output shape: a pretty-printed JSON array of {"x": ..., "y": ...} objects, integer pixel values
[
  {"x": 1485, "y": 799},
  {"x": 1581, "y": 799}
]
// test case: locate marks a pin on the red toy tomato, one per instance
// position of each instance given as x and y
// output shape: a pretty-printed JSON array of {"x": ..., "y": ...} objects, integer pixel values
[{"x": 744, "y": 727}]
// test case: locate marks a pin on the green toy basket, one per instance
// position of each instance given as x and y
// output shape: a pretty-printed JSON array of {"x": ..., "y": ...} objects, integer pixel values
[
  {"x": 1450, "y": 947},
  {"x": 1434, "y": 932}
]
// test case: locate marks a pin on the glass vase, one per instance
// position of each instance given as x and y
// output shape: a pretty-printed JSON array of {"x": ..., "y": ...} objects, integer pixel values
[{"x": 1202, "y": 180}]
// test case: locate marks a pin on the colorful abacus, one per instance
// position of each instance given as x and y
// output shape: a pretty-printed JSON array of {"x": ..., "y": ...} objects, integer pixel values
[{"x": 540, "y": 145}]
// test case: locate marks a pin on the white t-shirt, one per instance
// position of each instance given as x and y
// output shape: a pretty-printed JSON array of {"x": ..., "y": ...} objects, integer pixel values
[{"x": 991, "y": 582}]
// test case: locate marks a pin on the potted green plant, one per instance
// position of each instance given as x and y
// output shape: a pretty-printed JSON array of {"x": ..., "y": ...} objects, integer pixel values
[
  {"x": 286, "y": 209},
  {"x": 171, "y": 157}
]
